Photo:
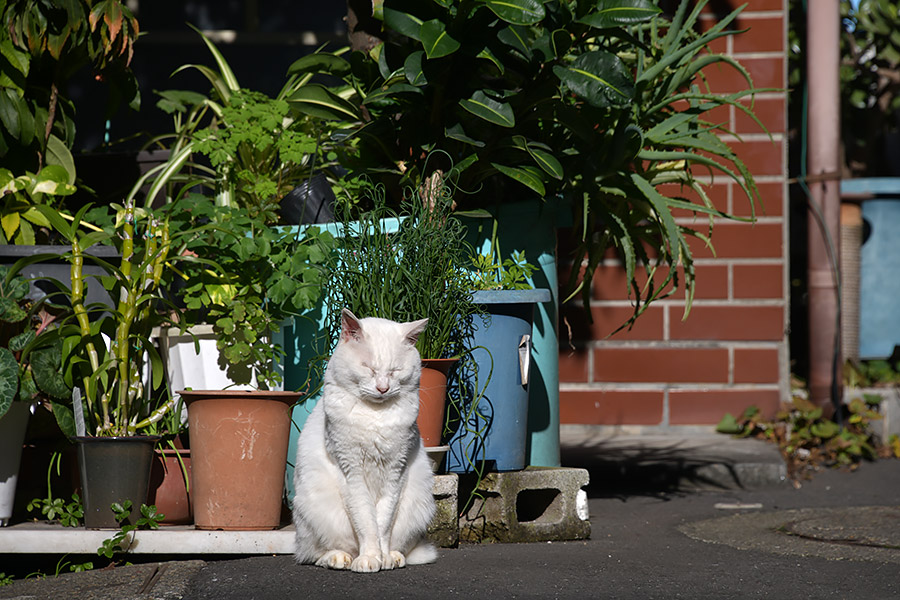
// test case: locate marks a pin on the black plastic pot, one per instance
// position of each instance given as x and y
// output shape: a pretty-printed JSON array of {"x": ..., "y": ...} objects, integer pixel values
[
  {"x": 113, "y": 469},
  {"x": 310, "y": 202}
]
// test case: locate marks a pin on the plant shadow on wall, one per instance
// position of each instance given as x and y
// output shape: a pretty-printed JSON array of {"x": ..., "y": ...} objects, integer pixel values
[{"x": 603, "y": 105}]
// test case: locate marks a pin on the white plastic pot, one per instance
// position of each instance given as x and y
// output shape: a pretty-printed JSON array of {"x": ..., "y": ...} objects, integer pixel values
[{"x": 12, "y": 435}]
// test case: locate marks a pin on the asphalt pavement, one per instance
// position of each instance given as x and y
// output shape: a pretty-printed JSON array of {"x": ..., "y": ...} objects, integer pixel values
[{"x": 654, "y": 535}]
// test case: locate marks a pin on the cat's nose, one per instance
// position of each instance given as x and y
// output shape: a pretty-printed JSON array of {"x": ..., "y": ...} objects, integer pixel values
[{"x": 382, "y": 386}]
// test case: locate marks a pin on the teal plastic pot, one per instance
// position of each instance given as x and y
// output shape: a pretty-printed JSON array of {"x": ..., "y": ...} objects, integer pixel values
[{"x": 113, "y": 469}]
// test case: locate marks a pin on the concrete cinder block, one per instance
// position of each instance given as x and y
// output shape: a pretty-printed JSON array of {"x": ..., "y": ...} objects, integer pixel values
[
  {"x": 444, "y": 529},
  {"x": 537, "y": 504}
]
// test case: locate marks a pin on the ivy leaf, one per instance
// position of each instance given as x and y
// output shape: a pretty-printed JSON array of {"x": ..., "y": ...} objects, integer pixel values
[
  {"x": 45, "y": 363},
  {"x": 10, "y": 311},
  {"x": 9, "y": 379},
  {"x": 18, "y": 342},
  {"x": 436, "y": 40}
]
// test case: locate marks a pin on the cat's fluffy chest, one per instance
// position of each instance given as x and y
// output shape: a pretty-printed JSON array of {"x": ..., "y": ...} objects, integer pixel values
[{"x": 379, "y": 431}]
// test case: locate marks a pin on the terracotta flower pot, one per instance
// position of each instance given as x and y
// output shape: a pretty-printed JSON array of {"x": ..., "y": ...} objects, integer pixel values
[
  {"x": 239, "y": 445},
  {"x": 433, "y": 399},
  {"x": 169, "y": 491}
]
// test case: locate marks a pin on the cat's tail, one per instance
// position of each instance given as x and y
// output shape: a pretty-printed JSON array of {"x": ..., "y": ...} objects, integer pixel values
[{"x": 423, "y": 553}]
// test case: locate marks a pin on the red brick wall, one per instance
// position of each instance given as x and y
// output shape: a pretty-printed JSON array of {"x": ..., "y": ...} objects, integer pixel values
[{"x": 731, "y": 351}]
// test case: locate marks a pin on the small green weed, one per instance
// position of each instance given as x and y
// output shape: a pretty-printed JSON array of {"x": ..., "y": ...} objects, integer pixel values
[
  {"x": 150, "y": 519},
  {"x": 56, "y": 509},
  {"x": 69, "y": 514},
  {"x": 808, "y": 440}
]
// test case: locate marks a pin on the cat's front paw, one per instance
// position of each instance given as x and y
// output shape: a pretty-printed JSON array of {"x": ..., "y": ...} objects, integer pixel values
[
  {"x": 335, "y": 559},
  {"x": 394, "y": 560},
  {"x": 366, "y": 563}
]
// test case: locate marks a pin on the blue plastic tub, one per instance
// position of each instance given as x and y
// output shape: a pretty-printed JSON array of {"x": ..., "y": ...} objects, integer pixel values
[
  {"x": 879, "y": 323},
  {"x": 502, "y": 350}
]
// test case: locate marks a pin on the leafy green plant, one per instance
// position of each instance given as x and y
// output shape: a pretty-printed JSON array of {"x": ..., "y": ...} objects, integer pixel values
[
  {"x": 511, "y": 274},
  {"x": 806, "y": 439},
  {"x": 18, "y": 214},
  {"x": 149, "y": 519},
  {"x": 275, "y": 156},
  {"x": 116, "y": 401},
  {"x": 405, "y": 265},
  {"x": 602, "y": 103},
  {"x": 491, "y": 272},
  {"x": 871, "y": 373},
  {"x": 258, "y": 148},
  {"x": 30, "y": 363},
  {"x": 69, "y": 514},
  {"x": 263, "y": 276}
]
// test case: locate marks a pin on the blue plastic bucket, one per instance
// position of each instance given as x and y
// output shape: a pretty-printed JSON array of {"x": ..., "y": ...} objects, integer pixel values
[{"x": 502, "y": 351}]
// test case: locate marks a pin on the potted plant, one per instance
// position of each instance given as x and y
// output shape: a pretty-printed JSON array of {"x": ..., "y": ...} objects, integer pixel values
[
  {"x": 29, "y": 370},
  {"x": 251, "y": 150},
  {"x": 247, "y": 152},
  {"x": 493, "y": 435},
  {"x": 263, "y": 277},
  {"x": 407, "y": 265},
  {"x": 170, "y": 472},
  {"x": 592, "y": 110},
  {"x": 105, "y": 349}
]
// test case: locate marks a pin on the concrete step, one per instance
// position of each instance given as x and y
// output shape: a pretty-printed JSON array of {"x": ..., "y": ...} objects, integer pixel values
[{"x": 658, "y": 462}]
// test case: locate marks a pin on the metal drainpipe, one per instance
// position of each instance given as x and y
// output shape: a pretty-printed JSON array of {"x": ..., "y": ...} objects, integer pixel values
[{"x": 823, "y": 144}]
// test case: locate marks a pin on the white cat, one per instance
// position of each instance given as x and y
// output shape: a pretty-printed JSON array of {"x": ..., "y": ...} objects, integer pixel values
[{"x": 363, "y": 483}]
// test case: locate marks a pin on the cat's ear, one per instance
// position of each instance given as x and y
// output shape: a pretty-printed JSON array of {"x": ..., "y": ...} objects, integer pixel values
[
  {"x": 414, "y": 330},
  {"x": 351, "y": 329}
]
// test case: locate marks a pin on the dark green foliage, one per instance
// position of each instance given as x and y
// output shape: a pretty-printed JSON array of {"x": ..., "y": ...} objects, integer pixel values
[
  {"x": 601, "y": 103},
  {"x": 405, "y": 265},
  {"x": 807, "y": 439},
  {"x": 30, "y": 365},
  {"x": 42, "y": 45}
]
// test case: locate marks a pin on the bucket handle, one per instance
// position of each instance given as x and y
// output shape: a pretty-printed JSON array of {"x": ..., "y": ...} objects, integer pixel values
[{"x": 524, "y": 358}]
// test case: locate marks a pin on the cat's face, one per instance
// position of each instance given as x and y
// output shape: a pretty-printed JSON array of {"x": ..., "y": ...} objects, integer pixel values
[{"x": 378, "y": 357}]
